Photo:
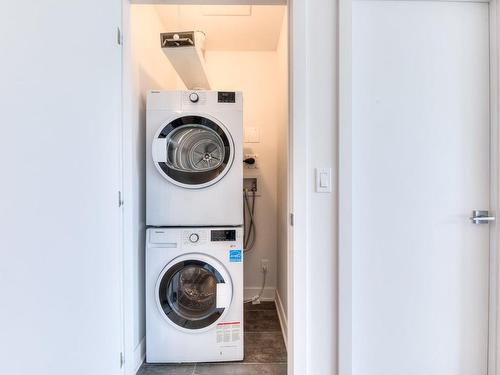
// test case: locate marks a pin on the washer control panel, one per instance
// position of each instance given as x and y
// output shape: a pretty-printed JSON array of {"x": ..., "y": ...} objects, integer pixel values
[
  {"x": 222, "y": 235},
  {"x": 195, "y": 237},
  {"x": 203, "y": 236}
]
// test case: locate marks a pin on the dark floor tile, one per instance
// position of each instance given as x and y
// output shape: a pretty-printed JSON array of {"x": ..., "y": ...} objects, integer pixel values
[
  {"x": 265, "y": 348},
  {"x": 150, "y": 369},
  {"x": 262, "y": 321},
  {"x": 241, "y": 369},
  {"x": 266, "y": 305},
  {"x": 265, "y": 351}
]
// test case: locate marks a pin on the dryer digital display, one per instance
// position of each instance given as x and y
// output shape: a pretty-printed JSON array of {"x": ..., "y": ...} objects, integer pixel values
[{"x": 226, "y": 97}]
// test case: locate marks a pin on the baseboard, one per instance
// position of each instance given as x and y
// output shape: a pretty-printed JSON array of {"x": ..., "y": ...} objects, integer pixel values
[
  {"x": 282, "y": 317},
  {"x": 268, "y": 294},
  {"x": 139, "y": 355}
]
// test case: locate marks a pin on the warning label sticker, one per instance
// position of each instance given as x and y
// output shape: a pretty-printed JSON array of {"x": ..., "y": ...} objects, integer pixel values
[{"x": 228, "y": 332}]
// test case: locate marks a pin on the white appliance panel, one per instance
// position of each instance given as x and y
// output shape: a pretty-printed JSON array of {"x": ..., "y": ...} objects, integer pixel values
[
  {"x": 223, "y": 339},
  {"x": 170, "y": 203}
]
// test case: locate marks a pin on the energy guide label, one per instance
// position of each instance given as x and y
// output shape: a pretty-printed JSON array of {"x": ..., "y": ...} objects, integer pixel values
[{"x": 228, "y": 332}]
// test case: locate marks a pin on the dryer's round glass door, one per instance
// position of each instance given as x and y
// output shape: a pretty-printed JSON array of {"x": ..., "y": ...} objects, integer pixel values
[
  {"x": 188, "y": 294},
  {"x": 197, "y": 151}
]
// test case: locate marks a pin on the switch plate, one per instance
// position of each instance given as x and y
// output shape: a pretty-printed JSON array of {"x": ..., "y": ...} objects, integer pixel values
[{"x": 323, "y": 180}]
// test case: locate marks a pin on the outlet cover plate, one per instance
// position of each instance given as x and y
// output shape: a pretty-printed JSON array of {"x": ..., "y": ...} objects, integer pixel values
[{"x": 251, "y": 166}]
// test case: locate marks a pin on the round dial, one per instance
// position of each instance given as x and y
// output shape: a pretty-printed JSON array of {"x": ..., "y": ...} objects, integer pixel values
[
  {"x": 194, "y": 237},
  {"x": 194, "y": 97}
]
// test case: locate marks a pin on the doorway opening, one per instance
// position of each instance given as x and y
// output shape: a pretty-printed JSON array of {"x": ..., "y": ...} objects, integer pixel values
[{"x": 245, "y": 50}]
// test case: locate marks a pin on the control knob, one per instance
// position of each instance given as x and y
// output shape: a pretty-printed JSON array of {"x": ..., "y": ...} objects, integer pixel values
[
  {"x": 194, "y": 237},
  {"x": 194, "y": 97}
]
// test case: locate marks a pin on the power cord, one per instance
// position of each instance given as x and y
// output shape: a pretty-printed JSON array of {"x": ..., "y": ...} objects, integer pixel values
[{"x": 256, "y": 299}]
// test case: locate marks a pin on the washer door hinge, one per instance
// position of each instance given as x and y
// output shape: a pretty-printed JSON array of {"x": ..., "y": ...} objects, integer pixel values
[
  {"x": 122, "y": 360},
  {"x": 120, "y": 199},
  {"x": 119, "y": 37},
  {"x": 291, "y": 219}
]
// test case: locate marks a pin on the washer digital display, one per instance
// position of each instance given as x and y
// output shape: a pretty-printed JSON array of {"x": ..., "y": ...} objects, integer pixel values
[{"x": 223, "y": 235}]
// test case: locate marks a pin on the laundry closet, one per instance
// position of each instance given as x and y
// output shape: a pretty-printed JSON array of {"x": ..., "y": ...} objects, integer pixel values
[{"x": 243, "y": 52}]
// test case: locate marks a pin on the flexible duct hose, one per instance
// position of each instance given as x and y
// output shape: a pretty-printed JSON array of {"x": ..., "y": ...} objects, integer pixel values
[{"x": 250, "y": 234}]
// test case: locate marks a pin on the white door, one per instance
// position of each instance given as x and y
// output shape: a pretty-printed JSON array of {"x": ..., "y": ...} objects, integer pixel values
[
  {"x": 420, "y": 166},
  {"x": 60, "y": 174}
]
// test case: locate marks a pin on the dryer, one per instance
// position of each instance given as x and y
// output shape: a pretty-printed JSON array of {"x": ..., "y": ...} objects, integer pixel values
[
  {"x": 194, "y": 171},
  {"x": 194, "y": 295}
]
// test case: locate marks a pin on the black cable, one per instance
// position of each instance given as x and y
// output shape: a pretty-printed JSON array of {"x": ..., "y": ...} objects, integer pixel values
[{"x": 250, "y": 229}]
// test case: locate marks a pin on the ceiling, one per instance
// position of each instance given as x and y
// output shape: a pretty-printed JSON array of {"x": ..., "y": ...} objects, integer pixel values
[{"x": 227, "y": 27}]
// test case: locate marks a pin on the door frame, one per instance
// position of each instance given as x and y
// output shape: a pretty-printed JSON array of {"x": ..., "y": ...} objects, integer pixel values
[
  {"x": 345, "y": 187},
  {"x": 297, "y": 181}
]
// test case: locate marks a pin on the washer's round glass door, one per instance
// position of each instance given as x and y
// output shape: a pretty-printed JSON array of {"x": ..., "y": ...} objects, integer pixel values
[
  {"x": 199, "y": 151},
  {"x": 187, "y": 294}
]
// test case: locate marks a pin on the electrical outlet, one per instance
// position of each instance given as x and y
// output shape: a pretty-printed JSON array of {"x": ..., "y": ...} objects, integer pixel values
[
  {"x": 251, "y": 166},
  {"x": 264, "y": 265}
]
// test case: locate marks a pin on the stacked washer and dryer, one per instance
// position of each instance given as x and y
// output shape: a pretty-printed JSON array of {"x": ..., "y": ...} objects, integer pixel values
[{"x": 194, "y": 240}]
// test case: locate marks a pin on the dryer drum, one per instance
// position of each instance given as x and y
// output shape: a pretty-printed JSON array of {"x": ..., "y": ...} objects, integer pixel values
[
  {"x": 198, "y": 151},
  {"x": 194, "y": 149}
]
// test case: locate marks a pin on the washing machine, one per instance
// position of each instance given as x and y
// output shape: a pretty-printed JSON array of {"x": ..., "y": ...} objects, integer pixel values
[
  {"x": 194, "y": 171},
  {"x": 194, "y": 295}
]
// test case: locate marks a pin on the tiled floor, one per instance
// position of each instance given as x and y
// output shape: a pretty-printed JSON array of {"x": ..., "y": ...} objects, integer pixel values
[{"x": 265, "y": 352}]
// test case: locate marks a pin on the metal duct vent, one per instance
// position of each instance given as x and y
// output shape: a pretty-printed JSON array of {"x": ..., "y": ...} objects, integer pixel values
[
  {"x": 184, "y": 39},
  {"x": 186, "y": 50}
]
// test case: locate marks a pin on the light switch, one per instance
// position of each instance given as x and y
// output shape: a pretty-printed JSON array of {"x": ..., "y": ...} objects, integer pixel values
[{"x": 323, "y": 180}]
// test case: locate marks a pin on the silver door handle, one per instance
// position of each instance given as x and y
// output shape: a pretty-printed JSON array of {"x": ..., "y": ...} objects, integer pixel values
[{"x": 481, "y": 217}]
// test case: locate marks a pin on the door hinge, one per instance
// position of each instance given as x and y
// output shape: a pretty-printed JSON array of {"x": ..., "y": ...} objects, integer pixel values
[
  {"x": 122, "y": 360},
  {"x": 119, "y": 38},
  {"x": 120, "y": 199},
  {"x": 291, "y": 219}
]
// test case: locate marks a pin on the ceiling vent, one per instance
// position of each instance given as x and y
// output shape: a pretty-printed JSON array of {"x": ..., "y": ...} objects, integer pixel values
[{"x": 186, "y": 52}]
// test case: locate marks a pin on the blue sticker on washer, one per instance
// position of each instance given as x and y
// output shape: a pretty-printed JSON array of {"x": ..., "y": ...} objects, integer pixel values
[{"x": 235, "y": 256}]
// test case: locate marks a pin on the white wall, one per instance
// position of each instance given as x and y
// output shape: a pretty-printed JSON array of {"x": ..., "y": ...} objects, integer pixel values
[
  {"x": 313, "y": 314},
  {"x": 322, "y": 152},
  {"x": 282, "y": 188},
  {"x": 60, "y": 250},
  {"x": 149, "y": 69},
  {"x": 255, "y": 74}
]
